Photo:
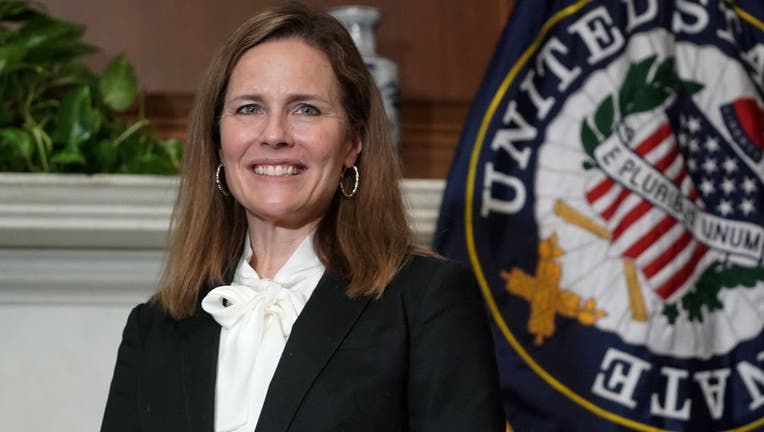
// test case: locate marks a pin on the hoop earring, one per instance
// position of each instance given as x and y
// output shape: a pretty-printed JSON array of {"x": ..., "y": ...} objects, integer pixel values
[
  {"x": 221, "y": 188},
  {"x": 355, "y": 183}
]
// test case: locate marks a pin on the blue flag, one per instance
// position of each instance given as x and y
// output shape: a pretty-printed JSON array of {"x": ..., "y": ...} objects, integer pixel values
[{"x": 608, "y": 192}]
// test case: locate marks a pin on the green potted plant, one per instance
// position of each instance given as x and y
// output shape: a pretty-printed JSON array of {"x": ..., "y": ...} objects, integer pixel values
[{"x": 57, "y": 115}]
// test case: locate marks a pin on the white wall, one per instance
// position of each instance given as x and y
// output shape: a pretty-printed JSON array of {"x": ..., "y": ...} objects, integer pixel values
[{"x": 56, "y": 363}]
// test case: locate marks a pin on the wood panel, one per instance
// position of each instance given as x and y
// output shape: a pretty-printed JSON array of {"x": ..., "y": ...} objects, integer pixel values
[{"x": 442, "y": 49}]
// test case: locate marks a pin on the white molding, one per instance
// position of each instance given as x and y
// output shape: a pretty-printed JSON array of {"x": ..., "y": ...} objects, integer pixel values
[
  {"x": 100, "y": 239},
  {"x": 49, "y": 210},
  {"x": 78, "y": 276},
  {"x": 423, "y": 198}
]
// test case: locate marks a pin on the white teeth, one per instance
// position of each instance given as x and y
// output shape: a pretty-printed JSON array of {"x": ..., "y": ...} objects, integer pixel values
[{"x": 276, "y": 170}]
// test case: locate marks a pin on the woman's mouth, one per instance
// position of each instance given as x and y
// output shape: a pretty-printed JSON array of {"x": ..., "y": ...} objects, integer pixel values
[{"x": 278, "y": 170}]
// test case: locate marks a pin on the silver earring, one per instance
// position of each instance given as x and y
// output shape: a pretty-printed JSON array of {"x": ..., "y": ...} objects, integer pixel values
[
  {"x": 355, "y": 182},
  {"x": 221, "y": 188}
]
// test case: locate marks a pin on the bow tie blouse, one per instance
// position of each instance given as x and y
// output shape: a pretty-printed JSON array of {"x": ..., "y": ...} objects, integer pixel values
[{"x": 256, "y": 316}]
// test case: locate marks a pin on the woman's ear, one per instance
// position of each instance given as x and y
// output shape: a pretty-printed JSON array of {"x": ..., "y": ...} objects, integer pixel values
[{"x": 355, "y": 149}]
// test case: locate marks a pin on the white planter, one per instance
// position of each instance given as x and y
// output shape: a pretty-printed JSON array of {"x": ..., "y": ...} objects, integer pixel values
[
  {"x": 59, "y": 210},
  {"x": 76, "y": 253},
  {"x": 81, "y": 239}
]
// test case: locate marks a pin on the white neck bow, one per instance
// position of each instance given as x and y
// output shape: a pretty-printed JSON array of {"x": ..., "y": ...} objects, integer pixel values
[
  {"x": 254, "y": 304},
  {"x": 257, "y": 316}
]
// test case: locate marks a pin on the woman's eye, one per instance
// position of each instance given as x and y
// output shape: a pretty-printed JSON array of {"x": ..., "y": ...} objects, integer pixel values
[
  {"x": 308, "y": 109},
  {"x": 248, "y": 109}
]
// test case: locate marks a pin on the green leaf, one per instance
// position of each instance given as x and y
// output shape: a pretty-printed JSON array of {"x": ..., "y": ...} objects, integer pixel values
[
  {"x": 106, "y": 155},
  {"x": 173, "y": 150},
  {"x": 638, "y": 71},
  {"x": 603, "y": 118},
  {"x": 49, "y": 41},
  {"x": 118, "y": 85},
  {"x": 150, "y": 164},
  {"x": 671, "y": 312},
  {"x": 6, "y": 114},
  {"x": 749, "y": 277},
  {"x": 41, "y": 29},
  {"x": 692, "y": 87},
  {"x": 588, "y": 139},
  {"x": 74, "y": 74},
  {"x": 130, "y": 148},
  {"x": 634, "y": 83},
  {"x": 142, "y": 154},
  {"x": 18, "y": 138},
  {"x": 68, "y": 156},
  {"x": 75, "y": 122},
  {"x": 15, "y": 11},
  {"x": 665, "y": 75},
  {"x": 732, "y": 276},
  {"x": 97, "y": 119},
  {"x": 16, "y": 148},
  {"x": 11, "y": 55},
  {"x": 647, "y": 99},
  {"x": 59, "y": 52}
]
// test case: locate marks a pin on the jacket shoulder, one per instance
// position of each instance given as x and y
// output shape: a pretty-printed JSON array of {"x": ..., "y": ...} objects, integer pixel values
[
  {"x": 433, "y": 268},
  {"x": 148, "y": 318},
  {"x": 424, "y": 279}
]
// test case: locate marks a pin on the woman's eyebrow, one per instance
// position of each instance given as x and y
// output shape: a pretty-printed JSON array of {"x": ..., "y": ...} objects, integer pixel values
[{"x": 247, "y": 97}]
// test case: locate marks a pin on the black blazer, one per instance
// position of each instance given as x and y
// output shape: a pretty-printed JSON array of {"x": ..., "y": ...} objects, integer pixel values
[{"x": 420, "y": 358}]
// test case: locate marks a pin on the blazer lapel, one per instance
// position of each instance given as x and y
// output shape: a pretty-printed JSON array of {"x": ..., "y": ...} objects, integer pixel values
[
  {"x": 321, "y": 327},
  {"x": 199, "y": 338}
]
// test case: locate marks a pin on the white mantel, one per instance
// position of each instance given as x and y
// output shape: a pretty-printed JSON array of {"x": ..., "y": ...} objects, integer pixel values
[{"x": 76, "y": 253}]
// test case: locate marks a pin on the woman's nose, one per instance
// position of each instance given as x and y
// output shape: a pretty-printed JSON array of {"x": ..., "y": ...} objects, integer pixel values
[{"x": 276, "y": 132}]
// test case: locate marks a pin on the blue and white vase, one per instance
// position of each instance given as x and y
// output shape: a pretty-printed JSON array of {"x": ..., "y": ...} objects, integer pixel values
[{"x": 360, "y": 22}]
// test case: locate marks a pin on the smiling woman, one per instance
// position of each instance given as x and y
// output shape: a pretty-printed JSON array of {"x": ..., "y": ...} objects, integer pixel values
[
  {"x": 293, "y": 298},
  {"x": 284, "y": 138}
]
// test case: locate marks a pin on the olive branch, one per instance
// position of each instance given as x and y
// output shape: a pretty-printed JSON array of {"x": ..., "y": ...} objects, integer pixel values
[
  {"x": 646, "y": 86},
  {"x": 708, "y": 287}
]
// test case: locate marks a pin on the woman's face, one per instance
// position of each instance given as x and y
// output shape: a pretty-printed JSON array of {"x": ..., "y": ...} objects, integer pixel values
[{"x": 284, "y": 138}]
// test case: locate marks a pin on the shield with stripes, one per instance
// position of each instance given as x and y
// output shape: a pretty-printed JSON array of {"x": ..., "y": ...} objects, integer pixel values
[{"x": 664, "y": 250}]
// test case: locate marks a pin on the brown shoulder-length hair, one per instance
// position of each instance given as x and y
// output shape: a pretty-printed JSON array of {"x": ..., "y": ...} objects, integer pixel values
[{"x": 364, "y": 239}]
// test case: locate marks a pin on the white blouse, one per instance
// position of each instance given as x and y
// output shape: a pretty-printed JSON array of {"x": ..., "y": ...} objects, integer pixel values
[{"x": 256, "y": 316}]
